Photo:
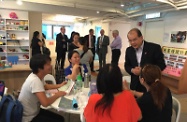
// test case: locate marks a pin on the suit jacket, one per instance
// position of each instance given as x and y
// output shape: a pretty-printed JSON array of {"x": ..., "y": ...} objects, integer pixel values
[
  {"x": 104, "y": 45},
  {"x": 87, "y": 40},
  {"x": 60, "y": 44},
  {"x": 151, "y": 54}
]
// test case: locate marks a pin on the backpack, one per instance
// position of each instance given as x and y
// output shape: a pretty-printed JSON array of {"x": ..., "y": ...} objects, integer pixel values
[
  {"x": 11, "y": 109},
  {"x": 2, "y": 88}
]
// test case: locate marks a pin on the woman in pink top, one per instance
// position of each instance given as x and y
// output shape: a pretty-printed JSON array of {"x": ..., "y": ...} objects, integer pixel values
[{"x": 112, "y": 103}]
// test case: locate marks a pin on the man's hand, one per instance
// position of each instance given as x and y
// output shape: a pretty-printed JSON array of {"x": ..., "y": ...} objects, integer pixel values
[{"x": 136, "y": 70}]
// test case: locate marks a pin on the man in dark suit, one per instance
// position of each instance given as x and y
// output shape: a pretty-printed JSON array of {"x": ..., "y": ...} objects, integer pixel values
[
  {"x": 91, "y": 45},
  {"x": 139, "y": 54},
  {"x": 102, "y": 44},
  {"x": 61, "y": 46}
]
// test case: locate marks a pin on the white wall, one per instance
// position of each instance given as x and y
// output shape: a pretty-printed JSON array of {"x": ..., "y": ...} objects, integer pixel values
[
  {"x": 21, "y": 14},
  {"x": 174, "y": 21}
]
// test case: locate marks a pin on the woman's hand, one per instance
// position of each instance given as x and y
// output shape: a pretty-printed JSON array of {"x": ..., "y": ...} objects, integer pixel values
[
  {"x": 125, "y": 85},
  {"x": 76, "y": 68}
]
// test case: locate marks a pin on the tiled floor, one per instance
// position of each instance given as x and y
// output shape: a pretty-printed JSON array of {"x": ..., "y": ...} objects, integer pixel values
[{"x": 182, "y": 99}]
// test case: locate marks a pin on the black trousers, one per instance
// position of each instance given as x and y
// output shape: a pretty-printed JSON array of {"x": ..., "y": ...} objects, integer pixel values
[
  {"x": 92, "y": 63},
  {"x": 102, "y": 59},
  {"x": 61, "y": 57},
  {"x": 115, "y": 56},
  {"x": 47, "y": 116}
]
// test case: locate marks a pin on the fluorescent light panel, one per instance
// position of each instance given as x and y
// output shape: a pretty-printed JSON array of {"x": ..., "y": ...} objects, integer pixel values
[{"x": 152, "y": 15}]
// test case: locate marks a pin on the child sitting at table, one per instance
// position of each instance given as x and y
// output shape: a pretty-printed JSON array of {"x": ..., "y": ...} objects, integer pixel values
[
  {"x": 112, "y": 103},
  {"x": 75, "y": 68},
  {"x": 33, "y": 95}
]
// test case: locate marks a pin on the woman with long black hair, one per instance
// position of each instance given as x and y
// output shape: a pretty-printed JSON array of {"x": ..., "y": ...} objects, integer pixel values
[
  {"x": 112, "y": 103},
  {"x": 36, "y": 43}
]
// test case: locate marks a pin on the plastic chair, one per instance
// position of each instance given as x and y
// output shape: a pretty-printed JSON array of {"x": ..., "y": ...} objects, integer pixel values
[
  {"x": 177, "y": 108},
  {"x": 13, "y": 59},
  {"x": 49, "y": 78}
]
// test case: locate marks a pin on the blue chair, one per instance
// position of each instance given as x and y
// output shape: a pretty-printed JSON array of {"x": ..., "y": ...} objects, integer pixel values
[{"x": 13, "y": 59}]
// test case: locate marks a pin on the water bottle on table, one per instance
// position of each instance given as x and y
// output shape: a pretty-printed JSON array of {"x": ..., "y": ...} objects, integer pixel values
[
  {"x": 79, "y": 83},
  {"x": 86, "y": 80}
]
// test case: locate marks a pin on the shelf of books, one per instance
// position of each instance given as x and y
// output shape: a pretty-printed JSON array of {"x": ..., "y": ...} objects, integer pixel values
[
  {"x": 174, "y": 75},
  {"x": 14, "y": 40}
]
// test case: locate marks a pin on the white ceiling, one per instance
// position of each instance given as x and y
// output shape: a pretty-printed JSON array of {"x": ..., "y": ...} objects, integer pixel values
[{"x": 109, "y": 9}]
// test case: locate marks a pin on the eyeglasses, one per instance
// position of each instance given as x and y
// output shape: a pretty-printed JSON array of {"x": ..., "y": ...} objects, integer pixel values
[{"x": 133, "y": 40}]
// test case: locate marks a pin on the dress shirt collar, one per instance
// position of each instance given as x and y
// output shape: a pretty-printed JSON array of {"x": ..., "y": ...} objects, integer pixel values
[{"x": 141, "y": 47}]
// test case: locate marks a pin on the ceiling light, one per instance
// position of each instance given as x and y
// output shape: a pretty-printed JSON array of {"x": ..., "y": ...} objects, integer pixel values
[
  {"x": 1, "y": 0},
  {"x": 122, "y": 5},
  {"x": 19, "y": 2},
  {"x": 98, "y": 12}
]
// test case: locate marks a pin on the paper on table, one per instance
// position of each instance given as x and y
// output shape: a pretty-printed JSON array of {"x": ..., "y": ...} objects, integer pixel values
[
  {"x": 67, "y": 87},
  {"x": 65, "y": 103}
]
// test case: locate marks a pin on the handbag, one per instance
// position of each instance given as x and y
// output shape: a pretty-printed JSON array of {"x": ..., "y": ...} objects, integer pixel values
[{"x": 46, "y": 51}]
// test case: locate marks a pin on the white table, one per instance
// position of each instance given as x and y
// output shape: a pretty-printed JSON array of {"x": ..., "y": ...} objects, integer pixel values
[{"x": 70, "y": 97}]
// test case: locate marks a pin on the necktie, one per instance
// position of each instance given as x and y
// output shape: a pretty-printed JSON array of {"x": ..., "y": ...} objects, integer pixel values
[{"x": 100, "y": 42}]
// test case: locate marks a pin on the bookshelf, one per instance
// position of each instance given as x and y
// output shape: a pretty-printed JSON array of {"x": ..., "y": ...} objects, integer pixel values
[{"x": 14, "y": 40}]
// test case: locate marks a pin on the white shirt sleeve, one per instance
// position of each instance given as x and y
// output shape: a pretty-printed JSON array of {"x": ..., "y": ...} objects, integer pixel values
[{"x": 37, "y": 86}]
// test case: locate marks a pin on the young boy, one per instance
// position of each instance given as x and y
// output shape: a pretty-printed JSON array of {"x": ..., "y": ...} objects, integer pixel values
[{"x": 33, "y": 95}]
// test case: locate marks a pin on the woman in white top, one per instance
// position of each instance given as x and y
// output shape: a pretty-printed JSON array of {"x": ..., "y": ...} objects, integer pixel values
[{"x": 86, "y": 54}]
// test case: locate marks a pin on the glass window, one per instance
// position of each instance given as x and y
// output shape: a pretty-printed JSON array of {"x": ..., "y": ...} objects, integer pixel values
[
  {"x": 56, "y": 30},
  {"x": 52, "y": 30},
  {"x": 47, "y": 30}
]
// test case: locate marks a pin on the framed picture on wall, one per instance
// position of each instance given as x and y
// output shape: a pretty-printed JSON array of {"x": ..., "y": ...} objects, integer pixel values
[{"x": 178, "y": 36}]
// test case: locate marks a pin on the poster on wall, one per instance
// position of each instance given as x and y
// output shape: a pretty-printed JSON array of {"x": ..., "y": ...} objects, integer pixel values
[{"x": 178, "y": 36}]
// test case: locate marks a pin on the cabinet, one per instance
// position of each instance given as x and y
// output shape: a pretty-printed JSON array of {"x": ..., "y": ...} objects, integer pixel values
[
  {"x": 14, "y": 40},
  {"x": 174, "y": 76}
]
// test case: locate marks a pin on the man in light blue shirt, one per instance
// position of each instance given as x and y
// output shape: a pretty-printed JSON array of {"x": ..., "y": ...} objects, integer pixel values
[{"x": 116, "y": 47}]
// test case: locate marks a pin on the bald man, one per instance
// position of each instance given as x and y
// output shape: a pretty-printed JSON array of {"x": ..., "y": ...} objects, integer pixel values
[
  {"x": 102, "y": 44},
  {"x": 139, "y": 54}
]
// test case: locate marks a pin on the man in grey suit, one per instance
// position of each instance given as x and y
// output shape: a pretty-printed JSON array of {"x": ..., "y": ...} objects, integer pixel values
[{"x": 102, "y": 44}]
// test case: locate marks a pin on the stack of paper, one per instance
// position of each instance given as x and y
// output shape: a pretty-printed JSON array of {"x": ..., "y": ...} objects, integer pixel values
[{"x": 67, "y": 87}]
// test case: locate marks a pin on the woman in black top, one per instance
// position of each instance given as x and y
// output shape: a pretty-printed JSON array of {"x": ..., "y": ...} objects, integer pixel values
[
  {"x": 156, "y": 103},
  {"x": 36, "y": 43},
  {"x": 75, "y": 43}
]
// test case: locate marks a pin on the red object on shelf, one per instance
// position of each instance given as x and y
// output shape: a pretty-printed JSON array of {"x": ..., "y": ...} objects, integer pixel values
[{"x": 13, "y": 15}]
